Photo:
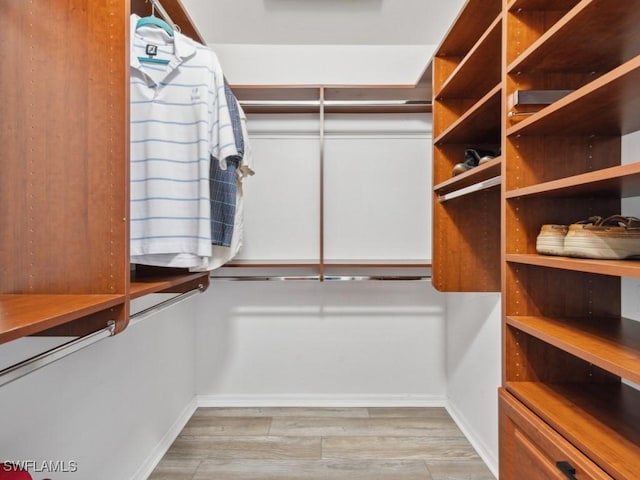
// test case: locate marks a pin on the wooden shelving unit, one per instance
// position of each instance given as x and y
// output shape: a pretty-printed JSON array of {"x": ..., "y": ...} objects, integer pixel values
[
  {"x": 567, "y": 351},
  {"x": 467, "y": 111},
  {"x": 64, "y": 193},
  {"x": 571, "y": 363}
]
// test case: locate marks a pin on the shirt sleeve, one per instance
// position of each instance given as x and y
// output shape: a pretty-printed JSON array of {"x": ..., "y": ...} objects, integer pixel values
[{"x": 222, "y": 140}]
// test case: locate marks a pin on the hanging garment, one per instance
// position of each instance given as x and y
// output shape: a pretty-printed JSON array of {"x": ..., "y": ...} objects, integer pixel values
[
  {"x": 223, "y": 201},
  {"x": 179, "y": 119},
  {"x": 221, "y": 255},
  {"x": 222, "y": 181}
]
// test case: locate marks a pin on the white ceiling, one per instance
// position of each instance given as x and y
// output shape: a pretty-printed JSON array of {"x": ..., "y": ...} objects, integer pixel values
[{"x": 323, "y": 22}]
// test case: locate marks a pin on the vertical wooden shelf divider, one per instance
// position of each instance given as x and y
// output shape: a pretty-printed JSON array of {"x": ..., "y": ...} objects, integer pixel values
[{"x": 467, "y": 98}]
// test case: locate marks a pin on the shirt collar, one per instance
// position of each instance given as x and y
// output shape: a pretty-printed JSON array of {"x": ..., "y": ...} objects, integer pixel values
[{"x": 183, "y": 46}]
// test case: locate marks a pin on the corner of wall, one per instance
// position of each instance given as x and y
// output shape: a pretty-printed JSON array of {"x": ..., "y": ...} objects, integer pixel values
[{"x": 473, "y": 364}]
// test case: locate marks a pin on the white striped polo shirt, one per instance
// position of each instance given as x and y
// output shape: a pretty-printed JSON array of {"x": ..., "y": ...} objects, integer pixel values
[{"x": 179, "y": 118}]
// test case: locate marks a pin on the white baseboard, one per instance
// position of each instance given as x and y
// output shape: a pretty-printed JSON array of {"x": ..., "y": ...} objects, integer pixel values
[
  {"x": 159, "y": 451},
  {"x": 476, "y": 442},
  {"x": 321, "y": 401}
]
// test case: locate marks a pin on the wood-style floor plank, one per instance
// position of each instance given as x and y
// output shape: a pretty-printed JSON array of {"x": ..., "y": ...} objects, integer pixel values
[
  {"x": 470, "y": 469},
  {"x": 282, "y": 412},
  {"x": 207, "y": 426},
  {"x": 319, "y": 470},
  {"x": 259, "y": 447},
  {"x": 175, "y": 469},
  {"x": 426, "y": 448},
  {"x": 422, "y": 412},
  {"x": 390, "y": 427},
  {"x": 321, "y": 444}
]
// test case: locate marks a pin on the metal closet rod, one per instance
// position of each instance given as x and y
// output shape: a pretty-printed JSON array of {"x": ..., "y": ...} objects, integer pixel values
[
  {"x": 326, "y": 278},
  {"x": 32, "y": 364},
  {"x": 143, "y": 314},
  {"x": 332, "y": 103}
]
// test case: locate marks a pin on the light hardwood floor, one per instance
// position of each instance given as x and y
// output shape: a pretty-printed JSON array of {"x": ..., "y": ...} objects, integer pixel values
[{"x": 321, "y": 444}]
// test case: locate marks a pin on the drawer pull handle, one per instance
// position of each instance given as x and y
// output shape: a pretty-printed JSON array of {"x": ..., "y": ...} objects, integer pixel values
[{"x": 567, "y": 469}]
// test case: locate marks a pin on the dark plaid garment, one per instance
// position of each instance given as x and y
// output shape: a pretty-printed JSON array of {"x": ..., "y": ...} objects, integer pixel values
[
  {"x": 223, "y": 201},
  {"x": 222, "y": 183}
]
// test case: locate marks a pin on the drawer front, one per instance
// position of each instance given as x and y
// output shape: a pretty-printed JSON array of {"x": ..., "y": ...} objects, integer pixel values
[{"x": 531, "y": 450}]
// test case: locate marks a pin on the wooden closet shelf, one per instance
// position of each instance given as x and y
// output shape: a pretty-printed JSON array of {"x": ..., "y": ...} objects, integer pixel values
[
  {"x": 623, "y": 268},
  {"x": 470, "y": 24},
  {"x": 377, "y": 263},
  {"x": 475, "y": 176},
  {"x": 600, "y": 419},
  {"x": 479, "y": 124},
  {"x": 142, "y": 284},
  {"x": 277, "y": 109},
  {"x": 22, "y": 315},
  {"x": 276, "y": 92},
  {"x": 611, "y": 344},
  {"x": 623, "y": 181},
  {"x": 610, "y": 105},
  {"x": 337, "y": 98},
  {"x": 269, "y": 263},
  {"x": 474, "y": 75},
  {"x": 526, "y": 5},
  {"x": 376, "y": 92},
  {"x": 381, "y": 108},
  {"x": 569, "y": 45},
  {"x": 358, "y": 263}
]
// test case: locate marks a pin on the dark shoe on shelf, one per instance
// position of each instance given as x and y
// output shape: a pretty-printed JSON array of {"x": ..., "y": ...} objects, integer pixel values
[{"x": 472, "y": 158}]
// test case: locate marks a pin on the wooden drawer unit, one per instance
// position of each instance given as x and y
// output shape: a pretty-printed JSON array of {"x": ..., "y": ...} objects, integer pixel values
[{"x": 532, "y": 450}]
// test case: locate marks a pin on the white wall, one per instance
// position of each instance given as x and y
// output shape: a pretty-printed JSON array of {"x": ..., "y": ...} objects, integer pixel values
[
  {"x": 377, "y": 203},
  {"x": 323, "y": 64},
  {"x": 333, "y": 342},
  {"x": 108, "y": 407},
  {"x": 631, "y": 207},
  {"x": 630, "y": 287},
  {"x": 312, "y": 343},
  {"x": 473, "y": 368}
]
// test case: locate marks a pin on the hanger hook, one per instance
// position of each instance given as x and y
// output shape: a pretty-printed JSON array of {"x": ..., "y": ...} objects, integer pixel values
[{"x": 153, "y": 7}]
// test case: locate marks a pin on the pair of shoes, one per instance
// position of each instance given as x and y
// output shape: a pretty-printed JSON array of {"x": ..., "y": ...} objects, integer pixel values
[
  {"x": 473, "y": 158},
  {"x": 552, "y": 237},
  {"x": 611, "y": 238},
  {"x": 550, "y": 240}
]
